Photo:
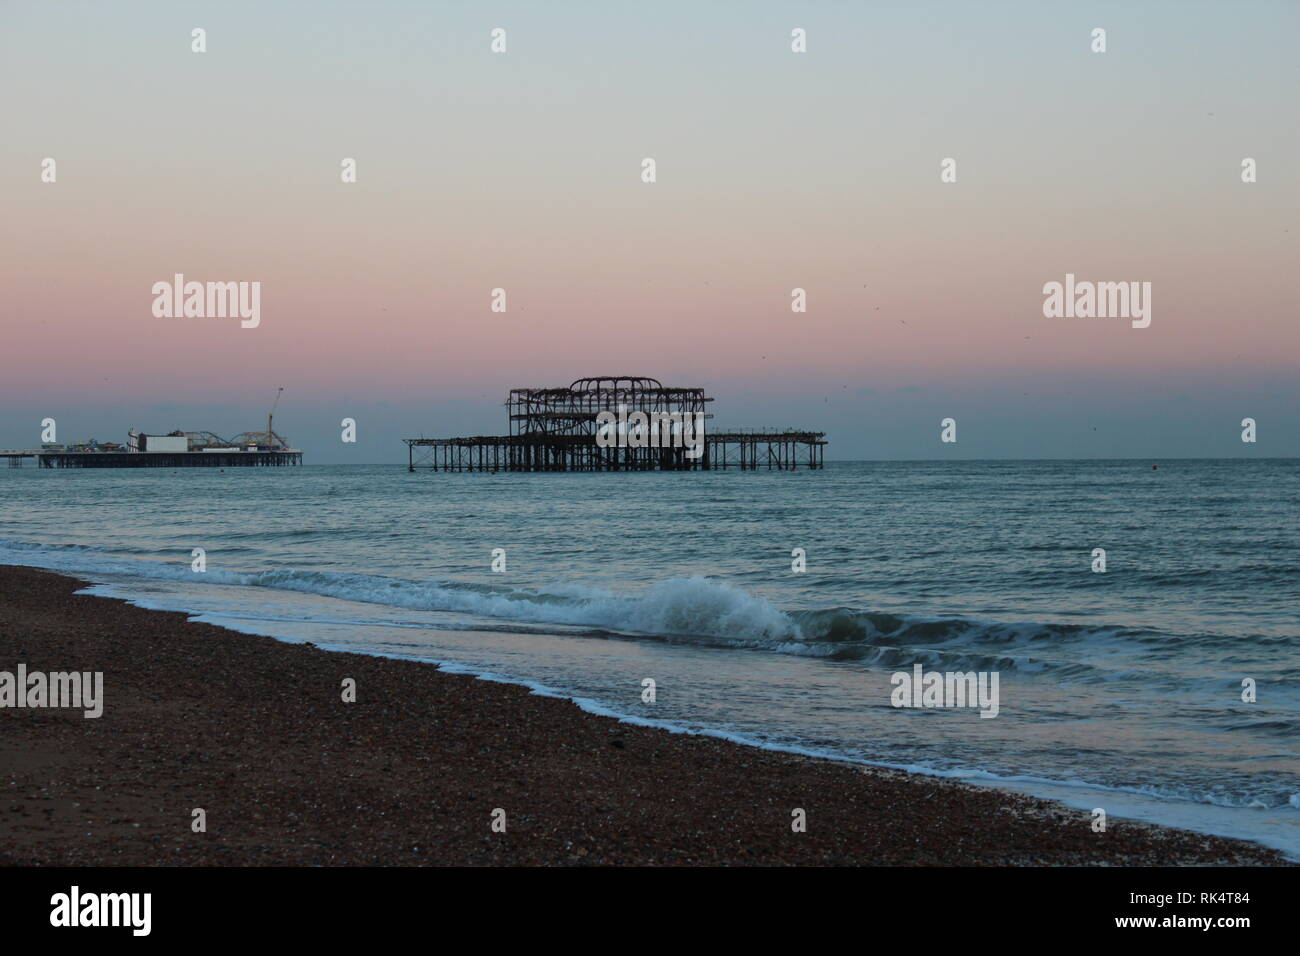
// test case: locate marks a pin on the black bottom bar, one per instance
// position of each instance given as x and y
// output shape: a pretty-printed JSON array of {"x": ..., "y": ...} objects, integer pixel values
[{"x": 933, "y": 910}]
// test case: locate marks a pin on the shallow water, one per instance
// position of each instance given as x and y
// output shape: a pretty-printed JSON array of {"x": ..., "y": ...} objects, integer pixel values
[{"x": 1119, "y": 690}]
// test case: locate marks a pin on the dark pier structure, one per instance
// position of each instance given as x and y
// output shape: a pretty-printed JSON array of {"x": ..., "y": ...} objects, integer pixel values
[
  {"x": 555, "y": 429},
  {"x": 181, "y": 459}
]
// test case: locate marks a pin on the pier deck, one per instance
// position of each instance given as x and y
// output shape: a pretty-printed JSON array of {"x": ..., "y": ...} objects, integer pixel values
[
  {"x": 180, "y": 459},
  {"x": 745, "y": 450}
]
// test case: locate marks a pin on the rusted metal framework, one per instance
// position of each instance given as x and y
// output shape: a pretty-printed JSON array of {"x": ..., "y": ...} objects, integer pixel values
[
  {"x": 780, "y": 450},
  {"x": 538, "y": 412},
  {"x": 554, "y": 429}
]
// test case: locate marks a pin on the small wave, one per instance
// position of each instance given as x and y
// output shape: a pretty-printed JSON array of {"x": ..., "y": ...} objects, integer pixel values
[{"x": 1275, "y": 728}]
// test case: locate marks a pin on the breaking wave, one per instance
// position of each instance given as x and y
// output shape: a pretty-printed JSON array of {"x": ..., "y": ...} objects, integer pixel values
[{"x": 693, "y": 608}]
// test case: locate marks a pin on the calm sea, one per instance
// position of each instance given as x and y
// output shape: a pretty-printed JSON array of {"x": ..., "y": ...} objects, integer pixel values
[{"x": 1120, "y": 690}]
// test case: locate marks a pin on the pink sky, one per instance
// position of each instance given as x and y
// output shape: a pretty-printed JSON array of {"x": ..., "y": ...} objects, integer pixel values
[{"x": 775, "y": 171}]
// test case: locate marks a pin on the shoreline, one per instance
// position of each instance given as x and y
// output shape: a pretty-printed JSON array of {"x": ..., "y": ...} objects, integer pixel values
[{"x": 254, "y": 731}]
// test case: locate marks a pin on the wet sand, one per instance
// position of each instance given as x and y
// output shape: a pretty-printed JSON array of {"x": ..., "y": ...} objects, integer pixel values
[{"x": 255, "y": 732}]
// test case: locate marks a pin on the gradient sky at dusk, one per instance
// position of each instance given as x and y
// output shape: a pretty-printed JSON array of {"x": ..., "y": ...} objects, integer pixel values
[{"x": 775, "y": 170}]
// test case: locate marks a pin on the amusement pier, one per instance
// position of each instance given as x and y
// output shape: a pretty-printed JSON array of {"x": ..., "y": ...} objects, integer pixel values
[{"x": 176, "y": 449}]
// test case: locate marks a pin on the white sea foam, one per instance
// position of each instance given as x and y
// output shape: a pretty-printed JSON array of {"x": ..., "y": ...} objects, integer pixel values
[{"x": 681, "y": 606}]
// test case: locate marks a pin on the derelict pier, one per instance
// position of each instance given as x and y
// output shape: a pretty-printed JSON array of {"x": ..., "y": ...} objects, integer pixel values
[{"x": 555, "y": 429}]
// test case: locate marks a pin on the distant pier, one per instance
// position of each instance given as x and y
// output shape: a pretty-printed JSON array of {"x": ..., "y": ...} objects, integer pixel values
[
  {"x": 176, "y": 449},
  {"x": 555, "y": 429},
  {"x": 157, "y": 459}
]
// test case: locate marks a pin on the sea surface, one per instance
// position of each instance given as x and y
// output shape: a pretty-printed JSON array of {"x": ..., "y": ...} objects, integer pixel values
[{"x": 1119, "y": 690}]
